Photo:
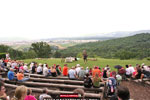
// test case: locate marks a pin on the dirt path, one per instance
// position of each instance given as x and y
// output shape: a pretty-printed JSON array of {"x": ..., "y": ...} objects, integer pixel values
[{"x": 137, "y": 91}]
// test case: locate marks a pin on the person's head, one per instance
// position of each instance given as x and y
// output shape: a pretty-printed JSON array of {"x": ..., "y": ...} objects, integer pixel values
[
  {"x": 87, "y": 74},
  {"x": 2, "y": 88},
  {"x": 29, "y": 91},
  {"x": 20, "y": 92},
  {"x": 127, "y": 66},
  {"x": 123, "y": 93},
  {"x": 72, "y": 67},
  {"x": 78, "y": 65},
  {"x": 11, "y": 69},
  {"x": 79, "y": 92},
  {"x": 20, "y": 71},
  {"x": 130, "y": 65},
  {"x": 45, "y": 90},
  {"x": 65, "y": 64}
]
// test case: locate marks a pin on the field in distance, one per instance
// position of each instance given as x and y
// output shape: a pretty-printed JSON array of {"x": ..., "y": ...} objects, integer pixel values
[{"x": 100, "y": 62}]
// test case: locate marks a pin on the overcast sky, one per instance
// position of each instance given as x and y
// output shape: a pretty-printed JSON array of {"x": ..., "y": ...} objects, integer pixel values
[{"x": 36, "y": 19}]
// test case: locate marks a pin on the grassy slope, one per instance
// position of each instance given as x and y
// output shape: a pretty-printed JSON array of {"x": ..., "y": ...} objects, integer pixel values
[{"x": 100, "y": 62}]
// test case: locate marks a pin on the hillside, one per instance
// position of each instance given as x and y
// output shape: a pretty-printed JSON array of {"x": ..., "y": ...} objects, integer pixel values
[{"x": 137, "y": 46}]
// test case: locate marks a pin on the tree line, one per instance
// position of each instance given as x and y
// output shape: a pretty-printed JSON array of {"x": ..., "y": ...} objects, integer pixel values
[{"x": 37, "y": 50}]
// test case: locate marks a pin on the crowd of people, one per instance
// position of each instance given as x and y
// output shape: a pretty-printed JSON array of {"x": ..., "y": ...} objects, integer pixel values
[{"x": 92, "y": 77}]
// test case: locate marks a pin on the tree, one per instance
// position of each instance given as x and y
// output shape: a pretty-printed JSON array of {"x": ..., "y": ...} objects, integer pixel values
[
  {"x": 57, "y": 54},
  {"x": 42, "y": 49}
]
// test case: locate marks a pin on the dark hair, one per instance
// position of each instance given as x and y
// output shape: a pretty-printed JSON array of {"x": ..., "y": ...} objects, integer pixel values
[
  {"x": 123, "y": 93},
  {"x": 87, "y": 74},
  {"x": 29, "y": 91},
  {"x": 127, "y": 66},
  {"x": 1, "y": 84}
]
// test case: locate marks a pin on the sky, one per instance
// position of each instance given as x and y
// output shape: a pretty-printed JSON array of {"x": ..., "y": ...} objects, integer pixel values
[{"x": 36, "y": 19}]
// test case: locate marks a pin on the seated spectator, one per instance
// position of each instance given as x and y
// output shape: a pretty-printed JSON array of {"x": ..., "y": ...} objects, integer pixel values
[
  {"x": 45, "y": 70},
  {"x": 105, "y": 74},
  {"x": 138, "y": 73},
  {"x": 96, "y": 81},
  {"x": 11, "y": 74},
  {"x": 145, "y": 74},
  {"x": 20, "y": 93},
  {"x": 65, "y": 70},
  {"x": 128, "y": 73},
  {"x": 3, "y": 95},
  {"x": 25, "y": 67},
  {"x": 96, "y": 70},
  {"x": 44, "y": 95},
  {"x": 123, "y": 93},
  {"x": 72, "y": 73},
  {"x": 29, "y": 95},
  {"x": 87, "y": 81},
  {"x": 79, "y": 92},
  {"x": 87, "y": 70},
  {"x": 39, "y": 69},
  {"x": 90, "y": 71},
  {"x": 53, "y": 71},
  {"x": 34, "y": 68},
  {"x": 58, "y": 70},
  {"x": 21, "y": 67},
  {"x": 20, "y": 76},
  {"x": 77, "y": 69},
  {"x": 81, "y": 74},
  {"x": 131, "y": 69}
]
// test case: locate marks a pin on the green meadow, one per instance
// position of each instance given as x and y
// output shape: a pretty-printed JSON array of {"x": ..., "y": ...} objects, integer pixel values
[{"x": 100, "y": 62}]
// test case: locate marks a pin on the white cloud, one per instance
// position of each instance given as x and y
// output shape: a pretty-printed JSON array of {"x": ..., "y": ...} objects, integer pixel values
[{"x": 68, "y": 18}]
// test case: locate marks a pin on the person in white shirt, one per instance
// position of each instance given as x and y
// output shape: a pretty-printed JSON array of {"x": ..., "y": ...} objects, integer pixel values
[
  {"x": 45, "y": 95},
  {"x": 25, "y": 67},
  {"x": 45, "y": 70},
  {"x": 128, "y": 72},
  {"x": 78, "y": 69},
  {"x": 131, "y": 68},
  {"x": 39, "y": 69},
  {"x": 72, "y": 73}
]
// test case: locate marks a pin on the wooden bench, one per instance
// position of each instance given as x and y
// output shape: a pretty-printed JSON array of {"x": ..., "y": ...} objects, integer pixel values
[
  {"x": 54, "y": 92},
  {"x": 53, "y": 85}
]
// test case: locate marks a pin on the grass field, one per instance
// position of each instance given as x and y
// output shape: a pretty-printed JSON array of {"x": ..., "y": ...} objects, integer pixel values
[{"x": 100, "y": 62}]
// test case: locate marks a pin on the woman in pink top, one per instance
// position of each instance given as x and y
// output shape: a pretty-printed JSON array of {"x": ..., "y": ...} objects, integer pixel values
[{"x": 29, "y": 96}]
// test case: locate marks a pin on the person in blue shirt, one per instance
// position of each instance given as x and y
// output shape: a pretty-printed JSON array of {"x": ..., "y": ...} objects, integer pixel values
[{"x": 11, "y": 74}]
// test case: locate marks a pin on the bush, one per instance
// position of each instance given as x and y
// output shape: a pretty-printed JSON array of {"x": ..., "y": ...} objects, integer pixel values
[
  {"x": 2, "y": 55},
  {"x": 148, "y": 58}
]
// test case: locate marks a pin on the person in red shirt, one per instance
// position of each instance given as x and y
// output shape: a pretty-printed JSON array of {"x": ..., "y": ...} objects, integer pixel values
[
  {"x": 65, "y": 70},
  {"x": 96, "y": 70}
]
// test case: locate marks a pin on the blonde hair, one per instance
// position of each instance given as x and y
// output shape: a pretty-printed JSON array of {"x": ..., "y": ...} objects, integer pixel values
[
  {"x": 96, "y": 77},
  {"x": 20, "y": 93}
]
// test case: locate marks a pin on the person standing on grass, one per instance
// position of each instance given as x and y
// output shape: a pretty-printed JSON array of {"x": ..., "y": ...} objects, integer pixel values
[{"x": 85, "y": 56}]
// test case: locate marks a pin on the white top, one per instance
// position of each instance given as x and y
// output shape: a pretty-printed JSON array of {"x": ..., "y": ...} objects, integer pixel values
[
  {"x": 45, "y": 71},
  {"x": 131, "y": 70},
  {"x": 146, "y": 68},
  {"x": 71, "y": 73},
  {"x": 77, "y": 70},
  {"x": 128, "y": 72},
  {"x": 13, "y": 65},
  {"x": 42, "y": 96},
  {"x": 39, "y": 69},
  {"x": 25, "y": 67}
]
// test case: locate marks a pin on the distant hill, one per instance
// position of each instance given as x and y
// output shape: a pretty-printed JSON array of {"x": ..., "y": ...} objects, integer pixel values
[{"x": 137, "y": 46}]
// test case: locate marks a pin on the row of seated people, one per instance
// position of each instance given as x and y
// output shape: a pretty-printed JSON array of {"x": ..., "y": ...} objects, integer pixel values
[{"x": 24, "y": 93}]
